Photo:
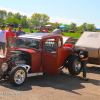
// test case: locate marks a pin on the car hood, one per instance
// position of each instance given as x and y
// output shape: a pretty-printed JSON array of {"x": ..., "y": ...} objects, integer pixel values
[{"x": 31, "y": 51}]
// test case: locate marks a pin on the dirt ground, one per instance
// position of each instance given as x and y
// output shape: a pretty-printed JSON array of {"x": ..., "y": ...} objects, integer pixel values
[{"x": 55, "y": 87}]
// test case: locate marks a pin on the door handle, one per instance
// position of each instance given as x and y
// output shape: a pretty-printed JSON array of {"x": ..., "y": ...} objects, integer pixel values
[{"x": 54, "y": 55}]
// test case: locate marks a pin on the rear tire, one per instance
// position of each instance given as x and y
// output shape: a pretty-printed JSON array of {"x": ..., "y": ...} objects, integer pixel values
[
  {"x": 18, "y": 76},
  {"x": 74, "y": 65}
]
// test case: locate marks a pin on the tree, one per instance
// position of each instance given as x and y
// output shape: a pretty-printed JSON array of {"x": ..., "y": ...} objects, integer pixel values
[
  {"x": 24, "y": 23},
  {"x": 44, "y": 19},
  {"x": 38, "y": 19},
  {"x": 84, "y": 26},
  {"x": 13, "y": 20},
  {"x": 73, "y": 26},
  {"x": 3, "y": 14},
  {"x": 9, "y": 15},
  {"x": 18, "y": 16},
  {"x": 91, "y": 27},
  {"x": 56, "y": 24}
]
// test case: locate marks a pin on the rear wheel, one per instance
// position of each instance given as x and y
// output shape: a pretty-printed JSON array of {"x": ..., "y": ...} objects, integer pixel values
[
  {"x": 74, "y": 65},
  {"x": 18, "y": 76}
]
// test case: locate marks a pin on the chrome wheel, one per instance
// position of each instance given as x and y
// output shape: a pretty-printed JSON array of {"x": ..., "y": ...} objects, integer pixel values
[
  {"x": 77, "y": 65},
  {"x": 19, "y": 76}
]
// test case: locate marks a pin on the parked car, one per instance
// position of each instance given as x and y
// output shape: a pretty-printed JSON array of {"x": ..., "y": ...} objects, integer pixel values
[
  {"x": 83, "y": 30},
  {"x": 72, "y": 31},
  {"x": 37, "y": 53}
]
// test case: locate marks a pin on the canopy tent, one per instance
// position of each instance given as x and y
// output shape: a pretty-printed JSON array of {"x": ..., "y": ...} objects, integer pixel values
[
  {"x": 48, "y": 25},
  {"x": 97, "y": 28},
  {"x": 63, "y": 26}
]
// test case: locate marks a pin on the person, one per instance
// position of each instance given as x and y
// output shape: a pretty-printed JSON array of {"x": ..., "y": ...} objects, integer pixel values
[
  {"x": 19, "y": 32},
  {"x": 46, "y": 30},
  {"x": 57, "y": 31},
  {"x": 9, "y": 32},
  {"x": 2, "y": 38},
  {"x": 14, "y": 31},
  {"x": 41, "y": 30},
  {"x": 31, "y": 31}
]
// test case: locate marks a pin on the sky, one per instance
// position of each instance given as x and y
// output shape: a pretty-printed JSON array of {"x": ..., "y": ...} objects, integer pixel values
[{"x": 61, "y": 11}]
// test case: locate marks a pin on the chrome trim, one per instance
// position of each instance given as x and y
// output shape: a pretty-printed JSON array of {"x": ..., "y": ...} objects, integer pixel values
[
  {"x": 19, "y": 76},
  {"x": 34, "y": 74},
  {"x": 27, "y": 67},
  {"x": 77, "y": 65},
  {"x": 4, "y": 67}
]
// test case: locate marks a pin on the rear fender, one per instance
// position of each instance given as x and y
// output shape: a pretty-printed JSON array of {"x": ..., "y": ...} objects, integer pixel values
[{"x": 66, "y": 59}]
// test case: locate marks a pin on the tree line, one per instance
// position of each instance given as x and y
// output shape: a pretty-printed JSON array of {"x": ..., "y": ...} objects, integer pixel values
[{"x": 36, "y": 20}]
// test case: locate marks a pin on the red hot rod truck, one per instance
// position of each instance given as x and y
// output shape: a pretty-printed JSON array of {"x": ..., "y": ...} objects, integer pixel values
[{"x": 37, "y": 53}]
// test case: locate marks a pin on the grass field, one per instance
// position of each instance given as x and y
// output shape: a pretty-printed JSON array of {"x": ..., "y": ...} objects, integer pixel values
[{"x": 74, "y": 35}]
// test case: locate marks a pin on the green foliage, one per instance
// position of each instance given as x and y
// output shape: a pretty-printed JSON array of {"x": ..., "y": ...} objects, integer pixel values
[
  {"x": 38, "y": 19},
  {"x": 73, "y": 26},
  {"x": 9, "y": 15},
  {"x": 17, "y": 16},
  {"x": 24, "y": 23},
  {"x": 12, "y": 20},
  {"x": 3, "y": 14}
]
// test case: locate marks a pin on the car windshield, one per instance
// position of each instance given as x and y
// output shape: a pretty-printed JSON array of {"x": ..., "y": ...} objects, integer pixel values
[{"x": 28, "y": 43}]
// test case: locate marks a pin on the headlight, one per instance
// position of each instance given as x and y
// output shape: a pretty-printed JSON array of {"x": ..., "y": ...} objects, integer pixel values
[{"x": 4, "y": 67}]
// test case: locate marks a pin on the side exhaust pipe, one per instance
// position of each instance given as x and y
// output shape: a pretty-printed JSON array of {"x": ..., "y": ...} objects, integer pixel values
[{"x": 34, "y": 74}]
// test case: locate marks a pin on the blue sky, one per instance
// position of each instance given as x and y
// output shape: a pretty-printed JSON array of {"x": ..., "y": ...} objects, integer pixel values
[{"x": 62, "y": 11}]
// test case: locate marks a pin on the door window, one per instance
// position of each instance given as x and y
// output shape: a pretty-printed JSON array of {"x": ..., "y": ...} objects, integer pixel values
[
  {"x": 50, "y": 46},
  {"x": 59, "y": 43}
]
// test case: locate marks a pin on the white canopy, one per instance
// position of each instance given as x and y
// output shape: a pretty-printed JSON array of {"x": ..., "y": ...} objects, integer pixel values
[{"x": 48, "y": 25}]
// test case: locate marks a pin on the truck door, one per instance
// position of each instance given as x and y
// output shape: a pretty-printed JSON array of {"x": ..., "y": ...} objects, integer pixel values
[
  {"x": 11, "y": 45},
  {"x": 50, "y": 57}
]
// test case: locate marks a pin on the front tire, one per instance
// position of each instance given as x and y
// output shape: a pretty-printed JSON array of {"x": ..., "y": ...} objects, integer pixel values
[
  {"x": 18, "y": 76},
  {"x": 74, "y": 65}
]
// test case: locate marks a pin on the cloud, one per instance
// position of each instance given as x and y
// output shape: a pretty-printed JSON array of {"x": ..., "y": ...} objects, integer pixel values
[
  {"x": 52, "y": 19},
  {"x": 14, "y": 11},
  {"x": 63, "y": 20}
]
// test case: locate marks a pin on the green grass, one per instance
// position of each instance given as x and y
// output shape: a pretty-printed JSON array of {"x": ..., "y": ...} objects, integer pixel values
[{"x": 74, "y": 35}]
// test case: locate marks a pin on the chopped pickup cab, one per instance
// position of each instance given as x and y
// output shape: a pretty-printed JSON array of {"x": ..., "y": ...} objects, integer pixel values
[{"x": 37, "y": 53}]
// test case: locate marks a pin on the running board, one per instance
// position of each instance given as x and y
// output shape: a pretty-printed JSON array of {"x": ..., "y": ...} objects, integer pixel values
[{"x": 34, "y": 74}]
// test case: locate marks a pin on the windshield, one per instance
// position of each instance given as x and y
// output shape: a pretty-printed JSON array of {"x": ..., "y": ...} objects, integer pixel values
[{"x": 28, "y": 43}]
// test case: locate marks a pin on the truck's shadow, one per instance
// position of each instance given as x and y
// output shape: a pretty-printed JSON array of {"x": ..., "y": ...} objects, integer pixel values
[
  {"x": 93, "y": 69},
  {"x": 62, "y": 82}
]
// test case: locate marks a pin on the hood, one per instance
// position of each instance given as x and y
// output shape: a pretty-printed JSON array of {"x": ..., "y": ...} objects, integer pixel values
[{"x": 27, "y": 50}]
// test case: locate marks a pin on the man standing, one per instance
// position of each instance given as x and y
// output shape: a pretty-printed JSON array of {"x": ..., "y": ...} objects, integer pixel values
[
  {"x": 57, "y": 31},
  {"x": 41, "y": 30},
  {"x": 19, "y": 32},
  {"x": 46, "y": 30},
  {"x": 9, "y": 32},
  {"x": 2, "y": 38}
]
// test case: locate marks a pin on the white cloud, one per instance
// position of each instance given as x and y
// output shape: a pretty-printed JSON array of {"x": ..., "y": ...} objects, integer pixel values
[
  {"x": 14, "y": 11},
  {"x": 63, "y": 20},
  {"x": 52, "y": 19}
]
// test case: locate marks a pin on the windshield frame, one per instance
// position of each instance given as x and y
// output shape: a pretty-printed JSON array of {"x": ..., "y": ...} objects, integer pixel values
[{"x": 29, "y": 39}]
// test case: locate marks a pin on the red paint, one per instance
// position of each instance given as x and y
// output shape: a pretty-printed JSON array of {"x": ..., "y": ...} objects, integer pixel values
[{"x": 46, "y": 61}]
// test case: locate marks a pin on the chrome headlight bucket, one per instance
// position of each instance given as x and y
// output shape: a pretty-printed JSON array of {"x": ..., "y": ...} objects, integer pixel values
[{"x": 4, "y": 67}]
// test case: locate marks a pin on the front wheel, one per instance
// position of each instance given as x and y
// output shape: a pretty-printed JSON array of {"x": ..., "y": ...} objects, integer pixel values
[
  {"x": 74, "y": 65},
  {"x": 17, "y": 76}
]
